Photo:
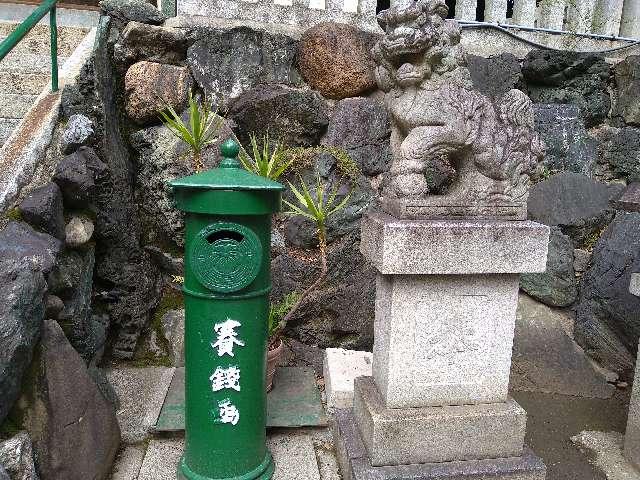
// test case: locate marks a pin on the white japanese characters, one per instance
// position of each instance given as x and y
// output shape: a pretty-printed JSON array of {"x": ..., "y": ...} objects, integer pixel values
[
  {"x": 224, "y": 378},
  {"x": 227, "y": 337},
  {"x": 228, "y": 412}
]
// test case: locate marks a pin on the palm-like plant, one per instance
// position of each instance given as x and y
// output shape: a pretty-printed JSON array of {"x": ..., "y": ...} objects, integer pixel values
[
  {"x": 269, "y": 162},
  {"x": 318, "y": 207},
  {"x": 200, "y": 130}
]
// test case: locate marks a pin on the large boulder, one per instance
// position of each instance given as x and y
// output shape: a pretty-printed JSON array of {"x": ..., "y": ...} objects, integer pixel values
[
  {"x": 133, "y": 10},
  {"x": 341, "y": 312},
  {"x": 150, "y": 87},
  {"x": 569, "y": 77},
  {"x": 77, "y": 175},
  {"x": 557, "y": 286},
  {"x": 361, "y": 127},
  {"x": 295, "y": 117},
  {"x": 627, "y": 74},
  {"x": 74, "y": 429},
  {"x": 140, "y": 41},
  {"x": 16, "y": 456},
  {"x": 336, "y": 60},
  {"x": 43, "y": 209},
  {"x": 575, "y": 203},
  {"x": 568, "y": 147},
  {"x": 608, "y": 315},
  {"x": 228, "y": 62}
]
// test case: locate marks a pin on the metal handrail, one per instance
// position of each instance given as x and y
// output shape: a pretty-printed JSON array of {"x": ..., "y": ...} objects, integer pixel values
[{"x": 47, "y": 6}]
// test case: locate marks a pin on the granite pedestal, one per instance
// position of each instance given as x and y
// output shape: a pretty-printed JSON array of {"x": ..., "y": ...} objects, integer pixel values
[{"x": 437, "y": 405}]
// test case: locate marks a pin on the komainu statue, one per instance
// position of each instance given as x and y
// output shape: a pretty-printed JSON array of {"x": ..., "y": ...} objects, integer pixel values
[{"x": 439, "y": 121}]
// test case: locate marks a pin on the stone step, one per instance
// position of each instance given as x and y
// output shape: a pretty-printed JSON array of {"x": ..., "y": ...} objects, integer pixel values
[
  {"x": 7, "y": 125},
  {"x": 24, "y": 83},
  {"x": 28, "y": 63},
  {"x": 15, "y": 105},
  {"x": 37, "y": 40}
]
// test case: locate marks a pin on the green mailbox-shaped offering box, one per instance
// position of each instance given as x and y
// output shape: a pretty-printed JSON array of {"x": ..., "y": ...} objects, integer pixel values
[{"x": 226, "y": 287}]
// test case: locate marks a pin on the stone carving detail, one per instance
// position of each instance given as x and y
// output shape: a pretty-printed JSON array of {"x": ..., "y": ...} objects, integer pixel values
[{"x": 488, "y": 145}]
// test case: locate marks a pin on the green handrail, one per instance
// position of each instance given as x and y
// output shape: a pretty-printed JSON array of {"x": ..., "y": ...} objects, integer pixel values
[{"x": 48, "y": 6}]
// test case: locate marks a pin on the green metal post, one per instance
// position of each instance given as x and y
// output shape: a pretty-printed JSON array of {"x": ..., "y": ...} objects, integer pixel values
[
  {"x": 227, "y": 283},
  {"x": 54, "y": 49}
]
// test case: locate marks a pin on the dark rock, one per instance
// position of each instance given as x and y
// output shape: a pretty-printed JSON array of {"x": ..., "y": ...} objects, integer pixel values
[
  {"x": 360, "y": 126},
  {"x": 295, "y": 117},
  {"x": 341, "y": 312},
  {"x": 630, "y": 199},
  {"x": 140, "y": 41},
  {"x": 42, "y": 208},
  {"x": 627, "y": 74},
  {"x": 569, "y": 77},
  {"x": 18, "y": 241},
  {"x": 494, "y": 76},
  {"x": 306, "y": 356},
  {"x": 53, "y": 306},
  {"x": 568, "y": 147},
  {"x": 336, "y": 60},
  {"x": 78, "y": 132},
  {"x": 16, "y": 455},
  {"x": 99, "y": 376},
  {"x": 608, "y": 315},
  {"x": 76, "y": 175},
  {"x": 581, "y": 260},
  {"x": 23, "y": 291},
  {"x": 133, "y": 10},
  {"x": 161, "y": 158},
  {"x": 620, "y": 150},
  {"x": 226, "y": 63},
  {"x": 557, "y": 286},
  {"x": 150, "y": 87},
  {"x": 166, "y": 262},
  {"x": 3, "y": 474},
  {"x": 575, "y": 203},
  {"x": 73, "y": 427}
]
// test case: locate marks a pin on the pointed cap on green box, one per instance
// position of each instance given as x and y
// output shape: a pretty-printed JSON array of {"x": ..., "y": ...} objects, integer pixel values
[{"x": 228, "y": 189}]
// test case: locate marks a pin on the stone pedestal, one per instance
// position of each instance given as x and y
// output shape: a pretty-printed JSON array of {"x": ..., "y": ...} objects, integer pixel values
[{"x": 437, "y": 405}]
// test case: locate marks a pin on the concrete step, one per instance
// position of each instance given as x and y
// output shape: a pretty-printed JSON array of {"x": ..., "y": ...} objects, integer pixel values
[
  {"x": 15, "y": 105},
  {"x": 28, "y": 63},
  {"x": 38, "y": 39},
  {"x": 24, "y": 83},
  {"x": 7, "y": 125}
]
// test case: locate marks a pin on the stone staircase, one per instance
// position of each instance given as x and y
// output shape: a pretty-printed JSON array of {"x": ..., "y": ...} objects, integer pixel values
[{"x": 26, "y": 71}]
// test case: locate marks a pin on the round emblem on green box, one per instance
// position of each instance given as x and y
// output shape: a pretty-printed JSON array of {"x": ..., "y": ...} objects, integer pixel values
[{"x": 226, "y": 257}]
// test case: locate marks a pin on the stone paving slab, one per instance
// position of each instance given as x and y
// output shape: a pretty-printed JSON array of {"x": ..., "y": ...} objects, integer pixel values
[
  {"x": 141, "y": 392},
  {"x": 605, "y": 451},
  {"x": 128, "y": 463}
]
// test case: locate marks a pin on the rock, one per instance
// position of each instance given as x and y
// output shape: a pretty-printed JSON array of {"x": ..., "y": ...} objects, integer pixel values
[
  {"x": 568, "y": 147},
  {"x": 557, "y": 286},
  {"x": 73, "y": 427},
  {"x": 53, "y": 306},
  {"x": 341, "y": 312},
  {"x": 620, "y": 150},
  {"x": 133, "y": 10},
  {"x": 569, "y": 77},
  {"x": 16, "y": 455},
  {"x": 494, "y": 76},
  {"x": 3, "y": 474},
  {"x": 77, "y": 174},
  {"x": 627, "y": 74},
  {"x": 42, "y": 208},
  {"x": 150, "y": 86},
  {"x": 575, "y": 203},
  {"x": 581, "y": 259},
  {"x": 166, "y": 262},
  {"x": 608, "y": 315},
  {"x": 18, "y": 241},
  {"x": 140, "y": 41},
  {"x": 78, "y": 231},
  {"x": 360, "y": 126},
  {"x": 294, "y": 117},
  {"x": 173, "y": 331},
  {"x": 79, "y": 131},
  {"x": 228, "y": 62},
  {"x": 335, "y": 59},
  {"x": 161, "y": 158},
  {"x": 23, "y": 290}
]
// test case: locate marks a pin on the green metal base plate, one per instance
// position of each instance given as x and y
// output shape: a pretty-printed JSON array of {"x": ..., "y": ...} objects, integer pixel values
[
  {"x": 293, "y": 402},
  {"x": 264, "y": 471}
]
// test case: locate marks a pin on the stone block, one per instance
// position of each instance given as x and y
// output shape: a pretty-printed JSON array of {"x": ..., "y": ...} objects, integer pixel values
[
  {"x": 341, "y": 367},
  {"x": 632, "y": 434},
  {"x": 436, "y": 434},
  {"x": 448, "y": 247},
  {"x": 444, "y": 339},
  {"x": 355, "y": 464}
]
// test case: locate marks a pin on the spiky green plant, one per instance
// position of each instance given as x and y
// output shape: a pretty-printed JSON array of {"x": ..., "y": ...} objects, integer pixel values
[
  {"x": 269, "y": 161},
  {"x": 277, "y": 314},
  {"x": 200, "y": 130}
]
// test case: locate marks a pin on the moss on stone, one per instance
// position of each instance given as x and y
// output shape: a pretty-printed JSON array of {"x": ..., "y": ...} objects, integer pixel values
[{"x": 14, "y": 214}]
